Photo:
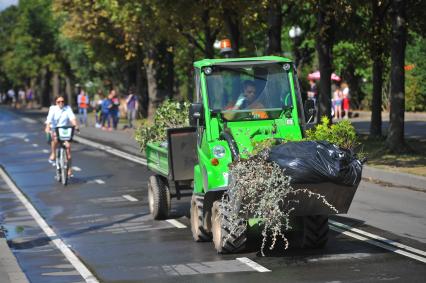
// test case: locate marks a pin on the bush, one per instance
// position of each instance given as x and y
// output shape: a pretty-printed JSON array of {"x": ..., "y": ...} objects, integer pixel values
[
  {"x": 170, "y": 114},
  {"x": 342, "y": 133}
]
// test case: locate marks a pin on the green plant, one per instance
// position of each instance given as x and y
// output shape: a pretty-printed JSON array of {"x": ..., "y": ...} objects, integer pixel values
[
  {"x": 170, "y": 114},
  {"x": 342, "y": 133},
  {"x": 260, "y": 189}
]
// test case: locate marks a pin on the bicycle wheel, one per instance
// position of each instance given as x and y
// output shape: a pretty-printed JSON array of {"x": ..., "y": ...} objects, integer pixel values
[
  {"x": 64, "y": 171},
  {"x": 58, "y": 166}
]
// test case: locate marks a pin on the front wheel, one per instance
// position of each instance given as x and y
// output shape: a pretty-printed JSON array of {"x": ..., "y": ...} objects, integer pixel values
[
  {"x": 199, "y": 231},
  {"x": 63, "y": 166},
  {"x": 225, "y": 238},
  {"x": 158, "y": 198}
]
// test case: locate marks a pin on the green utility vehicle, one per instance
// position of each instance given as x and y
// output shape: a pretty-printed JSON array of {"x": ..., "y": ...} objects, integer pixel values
[{"x": 236, "y": 102}]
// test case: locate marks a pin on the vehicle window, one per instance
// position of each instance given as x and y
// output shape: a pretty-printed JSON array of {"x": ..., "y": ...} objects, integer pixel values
[{"x": 253, "y": 87}]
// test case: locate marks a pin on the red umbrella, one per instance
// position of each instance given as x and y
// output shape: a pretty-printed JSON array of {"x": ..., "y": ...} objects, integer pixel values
[{"x": 316, "y": 76}]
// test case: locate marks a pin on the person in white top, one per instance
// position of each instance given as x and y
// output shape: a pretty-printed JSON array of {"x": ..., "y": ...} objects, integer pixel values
[{"x": 60, "y": 115}]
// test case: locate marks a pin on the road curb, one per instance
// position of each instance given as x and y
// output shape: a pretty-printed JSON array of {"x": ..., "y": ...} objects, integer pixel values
[
  {"x": 395, "y": 178},
  {"x": 10, "y": 271}
]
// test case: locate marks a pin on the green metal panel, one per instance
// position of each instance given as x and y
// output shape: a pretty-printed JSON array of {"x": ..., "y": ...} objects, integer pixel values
[{"x": 157, "y": 158}]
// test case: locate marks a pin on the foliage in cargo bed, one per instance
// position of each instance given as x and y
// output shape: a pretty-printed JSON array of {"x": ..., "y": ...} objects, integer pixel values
[
  {"x": 260, "y": 189},
  {"x": 170, "y": 114},
  {"x": 342, "y": 133}
]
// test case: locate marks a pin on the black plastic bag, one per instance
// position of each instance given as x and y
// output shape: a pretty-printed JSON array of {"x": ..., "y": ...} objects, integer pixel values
[{"x": 316, "y": 162}]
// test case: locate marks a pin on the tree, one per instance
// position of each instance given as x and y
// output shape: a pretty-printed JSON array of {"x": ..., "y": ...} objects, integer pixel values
[{"x": 395, "y": 138}]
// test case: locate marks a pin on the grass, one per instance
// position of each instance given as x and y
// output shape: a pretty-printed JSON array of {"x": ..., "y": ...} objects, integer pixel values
[{"x": 379, "y": 156}]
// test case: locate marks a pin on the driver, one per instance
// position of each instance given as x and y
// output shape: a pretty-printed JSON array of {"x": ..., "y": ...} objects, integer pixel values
[
  {"x": 60, "y": 115},
  {"x": 248, "y": 100}
]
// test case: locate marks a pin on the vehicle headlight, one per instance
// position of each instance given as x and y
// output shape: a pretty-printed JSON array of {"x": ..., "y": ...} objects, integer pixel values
[{"x": 219, "y": 151}]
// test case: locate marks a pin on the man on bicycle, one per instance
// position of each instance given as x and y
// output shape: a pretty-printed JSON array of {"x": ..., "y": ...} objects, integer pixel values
[{"x": 60, "y": 115}]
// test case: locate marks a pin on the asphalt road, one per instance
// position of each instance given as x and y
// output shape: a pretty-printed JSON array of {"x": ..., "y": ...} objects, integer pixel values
[{"x": 102, "y": 216}]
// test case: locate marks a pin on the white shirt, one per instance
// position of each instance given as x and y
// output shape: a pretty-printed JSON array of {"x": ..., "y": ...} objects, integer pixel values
[{"x": 58, "y": 117}]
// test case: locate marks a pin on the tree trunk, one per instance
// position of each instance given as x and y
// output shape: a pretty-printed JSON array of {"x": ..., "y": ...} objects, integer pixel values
[
  {"x": 68, "y": 91},
  {"x": 55, "y": 85},
  {"x": 376, "y": 104},
  {"x": 377, "y": 50},
  {"x": 209, "y": 37},
  {"x": 151, "y": 78},
  {"x": 45, "y": 92},
  {"x": 395, "y": 139},
  {"x": 141, "y": 90},
  {"x": 170, "y": 77},
  {"x": 274, "y": 27},
  {"x": 232, "y": 23},
  {"x": 324, "y": 48}
]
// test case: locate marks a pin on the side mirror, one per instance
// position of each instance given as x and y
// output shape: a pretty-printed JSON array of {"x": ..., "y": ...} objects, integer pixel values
[
  {"x": 195, "y": 113},
  {"x": 310, "y": 111}
]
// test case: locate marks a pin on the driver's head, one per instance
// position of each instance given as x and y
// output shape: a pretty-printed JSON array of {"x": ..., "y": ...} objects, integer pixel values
[
  {"x": 60, "y": 101},
  {"x": 249, "y": 91}
]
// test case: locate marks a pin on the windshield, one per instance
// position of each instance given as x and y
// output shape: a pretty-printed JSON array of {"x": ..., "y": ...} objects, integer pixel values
[{"x": 261, "y": 91}]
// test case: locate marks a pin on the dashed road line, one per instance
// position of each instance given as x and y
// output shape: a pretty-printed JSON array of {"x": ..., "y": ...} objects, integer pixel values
[
  {"x": 253, "y": 264},
  {"x": 35, "y": 145},
  {"x": 67, "y": 252},
  {"x": 376, "y": 237},
  {"x": 45, "y": 151},
  {"x": 29, "y": 120},
  {"x": 26, "y": 140},
  {"x": 176, "y": 223},
  {"x": 75, "y": 168},
  {"x": 130, "y": 198},
  {"x": 376, "y": 243},
  {"x": 99, "y": 181}
]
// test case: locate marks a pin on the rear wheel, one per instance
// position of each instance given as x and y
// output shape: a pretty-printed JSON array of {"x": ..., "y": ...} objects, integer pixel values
[
  {"x": 315, "y": 231},
  {"x": 225, "y": 240},
  {"x": 200, "y": 232},
  {"x": 63, "y": 165},
  {"x": 158, "y": 198}
]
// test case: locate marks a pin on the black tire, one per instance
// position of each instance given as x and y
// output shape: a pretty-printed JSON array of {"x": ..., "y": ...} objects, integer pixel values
[
  {"x": 224, "y": 242},
  {"x": 158, "y": 198},
  {"x": 63, "y": 165},
  {"x": 199, "y": 227},
  {"x": 315, "y": 231}
]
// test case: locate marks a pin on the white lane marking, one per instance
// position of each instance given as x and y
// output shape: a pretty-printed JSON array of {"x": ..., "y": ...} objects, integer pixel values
[
  {"x": 129, "y": 198},
  {"x": 176, "y": 223},
  {"x": 35, "y": 145},
  {"x": 253, "y": 264},
  {"x": 26, "y": 140},
  {"x": 376, "y": 237},
  {"x": 379, "y": 244},
  {"x": 111, "y": 150},
  {"x": 75, "y": 168},
  {"x": 29, "y": 120},
  {"x": 72, "y": 258},
  {"x": 99, "y": 181},
  {"x": 45, "y": 151}
]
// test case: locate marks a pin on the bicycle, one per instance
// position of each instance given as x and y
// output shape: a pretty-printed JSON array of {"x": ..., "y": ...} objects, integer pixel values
[{"x": 63, "y": 134}]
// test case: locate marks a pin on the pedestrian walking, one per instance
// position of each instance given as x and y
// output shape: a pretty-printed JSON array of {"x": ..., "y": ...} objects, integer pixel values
[
  {"x": 97, "y": 105},
  {"x": 11, "y": 97},
  {"x": 115, "y": 104},
  {"x": 105, "y": 110},
  {"x": 30, "y": 97},
  {"x": 132, "y": 106},
  {"x": 338, "y": 99},
  {"x": 83, "y": 104},
  {"x": 346, "y": 100},
  {"x": 21, "y": 98}
]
